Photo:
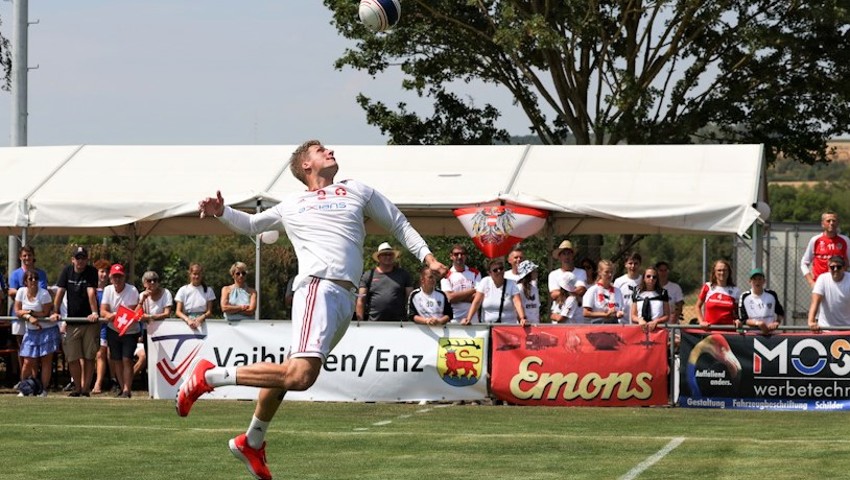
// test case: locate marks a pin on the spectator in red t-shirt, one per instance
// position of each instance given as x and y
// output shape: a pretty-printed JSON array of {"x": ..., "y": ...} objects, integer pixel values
[
  {"x": 821, "y": 247},
  {"x": 718, "y": 297}
]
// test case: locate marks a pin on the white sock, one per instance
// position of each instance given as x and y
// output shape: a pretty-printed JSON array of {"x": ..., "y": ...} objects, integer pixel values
[
  {"x": 256, "y": 432},
  {"x": 221, "y": 376}
]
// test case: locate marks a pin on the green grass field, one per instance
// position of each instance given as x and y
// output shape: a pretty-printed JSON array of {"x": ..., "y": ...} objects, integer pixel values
[{"x": 99, "y": 438}]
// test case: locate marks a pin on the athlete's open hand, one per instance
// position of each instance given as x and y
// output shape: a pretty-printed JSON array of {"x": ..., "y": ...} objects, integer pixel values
[{"x": 212, "y": 207}]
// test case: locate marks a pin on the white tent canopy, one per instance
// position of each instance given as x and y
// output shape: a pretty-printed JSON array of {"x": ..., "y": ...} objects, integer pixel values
[{"x": 142, "y": 190}]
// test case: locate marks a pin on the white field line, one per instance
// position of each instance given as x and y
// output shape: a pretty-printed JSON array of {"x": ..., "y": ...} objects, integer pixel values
[
  {"x": 10, "y": 427},
  {"x": 639, "y": 468}
]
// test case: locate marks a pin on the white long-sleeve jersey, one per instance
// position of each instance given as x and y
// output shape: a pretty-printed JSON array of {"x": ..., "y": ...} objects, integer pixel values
[{"x": 327, "y": 230}]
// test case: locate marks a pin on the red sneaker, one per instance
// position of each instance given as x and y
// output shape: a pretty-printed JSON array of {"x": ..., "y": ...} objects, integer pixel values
[
  {"x": 254, "y": 458},
  {"x": 195, "y": 386}
]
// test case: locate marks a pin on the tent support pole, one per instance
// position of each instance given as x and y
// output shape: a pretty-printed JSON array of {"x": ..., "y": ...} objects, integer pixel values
[{"x": 257, "y": 264}]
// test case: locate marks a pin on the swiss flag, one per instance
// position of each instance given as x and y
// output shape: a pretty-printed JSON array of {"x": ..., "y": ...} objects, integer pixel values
[
  {"x": 124, "y": 318},
  {"x": 495, "y": 229}
]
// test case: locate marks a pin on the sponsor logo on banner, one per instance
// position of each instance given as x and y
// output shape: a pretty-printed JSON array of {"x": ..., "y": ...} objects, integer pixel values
[
  {"x": 784, "y": 371},
  {"x": 460, "y": 361},
  {"x": 579, "y": 366},
  {"x": 495, "y": 229},
  {"x": 176, "y": 354}
]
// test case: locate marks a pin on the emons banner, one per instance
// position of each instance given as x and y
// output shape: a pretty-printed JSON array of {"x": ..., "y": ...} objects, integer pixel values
[
  {"x": 789, "y": 371},
  {"x": 374, "y": 362},
  {"x": 579, "y": 365}
]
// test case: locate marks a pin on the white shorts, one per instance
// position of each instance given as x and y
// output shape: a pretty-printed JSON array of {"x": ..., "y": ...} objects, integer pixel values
[{"x": 321, "y": 312}]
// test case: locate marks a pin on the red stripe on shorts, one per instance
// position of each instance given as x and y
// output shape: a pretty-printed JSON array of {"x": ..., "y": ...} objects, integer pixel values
[{"x": 312, "y": 291}]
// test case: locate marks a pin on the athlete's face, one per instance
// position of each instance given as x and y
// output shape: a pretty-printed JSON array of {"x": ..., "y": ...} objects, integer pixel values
[
  {"x": 829, "y": 223},
  {"x": 320, "y": 159},
  {"x": 757, "y": 282}
]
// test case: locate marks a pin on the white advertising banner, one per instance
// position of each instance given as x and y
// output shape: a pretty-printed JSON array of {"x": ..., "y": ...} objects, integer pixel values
[{"x": 374, "y": 362}]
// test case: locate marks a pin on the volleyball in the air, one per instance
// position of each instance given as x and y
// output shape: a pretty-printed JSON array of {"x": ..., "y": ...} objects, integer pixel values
[{"x": 379, "y": 15}]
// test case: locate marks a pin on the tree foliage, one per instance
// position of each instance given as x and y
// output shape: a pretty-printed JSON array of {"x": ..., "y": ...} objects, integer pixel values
[
  {"x": 619, "y": 71},
  {"x": 5, "y": 62}
]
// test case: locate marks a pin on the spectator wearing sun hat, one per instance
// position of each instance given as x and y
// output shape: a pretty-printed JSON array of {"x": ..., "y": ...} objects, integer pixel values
[
  {"x": 384, "y": 289},
  {"x": 760, "y": 307},
  {"x": 79, "y": 282},
  {"x": 568, "y": 310},
  {"x": 528, "y": 291},
  {"x": 566, "y": 254}
]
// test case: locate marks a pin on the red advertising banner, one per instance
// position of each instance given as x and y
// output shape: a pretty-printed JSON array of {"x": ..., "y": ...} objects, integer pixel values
[{"x": 600, "y": 366}]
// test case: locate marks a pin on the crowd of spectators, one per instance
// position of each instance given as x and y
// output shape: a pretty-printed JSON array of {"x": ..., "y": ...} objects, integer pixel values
[
  {"x": 76, "y": 316},
  {"x": 98, "y": 356}
]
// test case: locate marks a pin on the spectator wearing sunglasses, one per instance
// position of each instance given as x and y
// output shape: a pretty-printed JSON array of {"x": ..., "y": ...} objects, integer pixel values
[
  {"x": 498, "y": 298},
  {"x": 238, "y": 301},
  {"x": 830, "y": 305},
  {"x": 650, "y": 304}
]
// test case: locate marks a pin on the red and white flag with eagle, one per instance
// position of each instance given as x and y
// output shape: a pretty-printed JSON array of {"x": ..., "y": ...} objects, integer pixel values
[{"x": 495, "y": 229}]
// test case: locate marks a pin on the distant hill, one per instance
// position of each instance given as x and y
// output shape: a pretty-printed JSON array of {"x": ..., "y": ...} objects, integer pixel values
[{"x": 789, "y": 172}]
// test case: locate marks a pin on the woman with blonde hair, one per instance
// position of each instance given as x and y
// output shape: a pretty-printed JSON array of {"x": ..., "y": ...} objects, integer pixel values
[
  {"x": 238, "y": 301},
  {"x": 603, "y": 303},
  {"x": 717, "y": 303},
  {"x": 195, "y": 299}
]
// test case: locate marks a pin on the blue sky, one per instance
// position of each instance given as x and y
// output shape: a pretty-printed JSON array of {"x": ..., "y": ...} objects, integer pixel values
[{"x": 197, "y": 72}]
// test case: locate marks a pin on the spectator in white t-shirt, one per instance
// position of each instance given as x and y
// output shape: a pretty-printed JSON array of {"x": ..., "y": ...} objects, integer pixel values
[
  {"x": 830, "y": 305},
  {"x": 565, "y": 254},
  {"x": 628, "y": 283},
  {"x": 498, "y": 298},
  {"x": 195, "y": 300},
  {"x": 674, "y": 291},
  {"x": 459, "y": 283},
  {"x": 759, "y": 307}
]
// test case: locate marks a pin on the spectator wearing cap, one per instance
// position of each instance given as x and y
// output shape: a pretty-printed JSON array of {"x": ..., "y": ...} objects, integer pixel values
[
  {"x": 526, "y": 279},
  {"x": 628, "y": 284},
  {"x": 78, "y": 281},
  {"x": 16, "y": 281},
  {"x": 460, "y": 282},
  {"x": 830, "y": 305},
  {"x": 384, "y": 289},
  {"x": 759, "y": 307},
  {"x": 568, "y": 310},
  {"x": 427, "y": 305},
  {"x": 121, "y": 347},
  {"x": 565, "y": 253}
]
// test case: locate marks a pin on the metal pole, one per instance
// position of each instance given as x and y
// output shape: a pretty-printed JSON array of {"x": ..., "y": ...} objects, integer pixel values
[
  {"x": 20, "y": 20},
  {"x": 704, "y": 259},
  {"x": 257, "y": 242}
]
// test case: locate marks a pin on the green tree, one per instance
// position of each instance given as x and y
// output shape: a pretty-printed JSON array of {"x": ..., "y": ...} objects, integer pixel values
[{"x": 619, "y": 71}]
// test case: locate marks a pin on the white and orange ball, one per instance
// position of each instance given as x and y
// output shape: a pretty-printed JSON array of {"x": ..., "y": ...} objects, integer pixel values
[{"x": 379, "y": 15}]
